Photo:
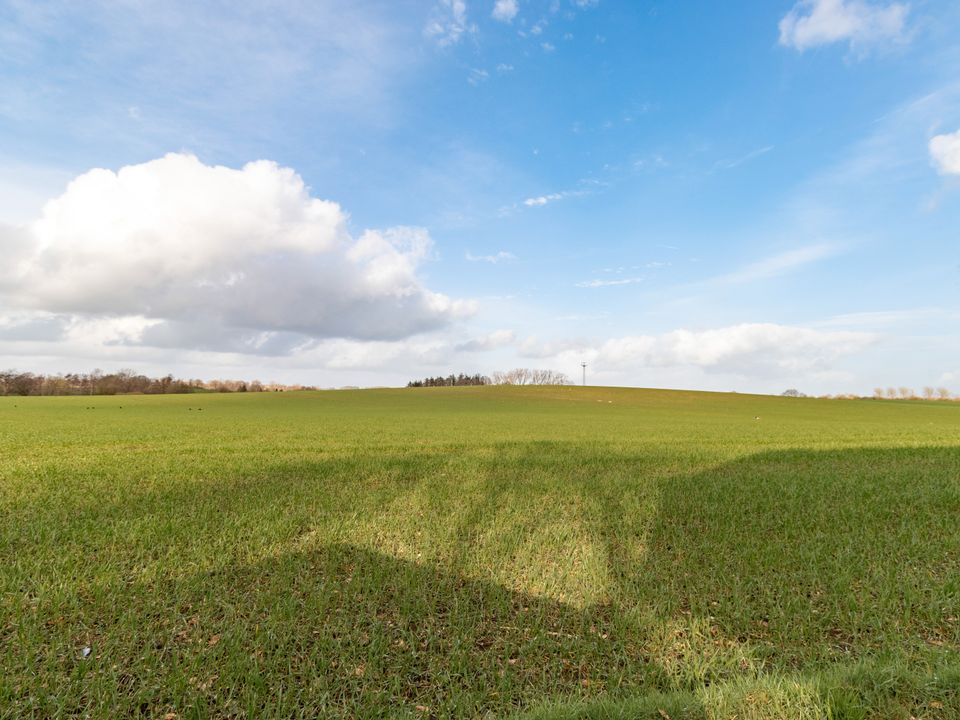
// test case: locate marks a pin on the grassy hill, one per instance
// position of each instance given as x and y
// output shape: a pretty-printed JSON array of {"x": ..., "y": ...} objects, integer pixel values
[{"x": 479, "y": 552}]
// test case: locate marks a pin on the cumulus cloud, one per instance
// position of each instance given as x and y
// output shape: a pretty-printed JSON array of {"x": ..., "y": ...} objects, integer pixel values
[
  {"x": 945, "y": 153},
  {"x": 821, "y": 22},
  {"x": 739, "y": 348},
  {"x": 238, "y": 257},
  {"x": 505, "y": 10},
  {"x": 751, "y": 349}
]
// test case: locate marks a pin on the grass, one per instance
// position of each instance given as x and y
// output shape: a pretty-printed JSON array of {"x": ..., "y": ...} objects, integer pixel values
[{"x": 479, "y": 552}]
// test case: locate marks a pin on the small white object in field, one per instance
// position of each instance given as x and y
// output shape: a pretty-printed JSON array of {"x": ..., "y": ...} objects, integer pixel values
[
  {"x": 756, "y": 417},
  {"x": 86, "y": 652}
]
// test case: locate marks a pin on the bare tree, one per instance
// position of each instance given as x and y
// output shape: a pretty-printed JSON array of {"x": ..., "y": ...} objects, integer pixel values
[
  {"x": 907, "y": 393},
  {"x": 943, "y": 393},
  {"x": 526, "y": 376}
]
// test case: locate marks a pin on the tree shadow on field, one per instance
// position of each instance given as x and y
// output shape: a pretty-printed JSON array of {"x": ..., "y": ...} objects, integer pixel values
[
  {"x": 338, "y": 631},
  {"x": 818, "y": 554},
  {"x": 795, "y": 563},
  {"x": 776, "y": 566}
]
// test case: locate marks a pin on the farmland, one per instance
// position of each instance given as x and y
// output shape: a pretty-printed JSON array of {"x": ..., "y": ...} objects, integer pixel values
[{"x": 479, "y": 552}]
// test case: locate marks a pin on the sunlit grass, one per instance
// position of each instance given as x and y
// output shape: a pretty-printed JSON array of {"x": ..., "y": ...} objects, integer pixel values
[{"x": 461, "y": 552}]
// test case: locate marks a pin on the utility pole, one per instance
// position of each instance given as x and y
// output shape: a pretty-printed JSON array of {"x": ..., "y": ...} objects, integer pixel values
[{"x": 584, "y": 366}]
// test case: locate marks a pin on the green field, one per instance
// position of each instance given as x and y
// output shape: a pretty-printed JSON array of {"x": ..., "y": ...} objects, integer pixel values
[{"x": 479, "y": 552}]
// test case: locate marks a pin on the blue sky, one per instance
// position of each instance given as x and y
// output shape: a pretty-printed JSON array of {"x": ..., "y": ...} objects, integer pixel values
[{"x": 731, "y": 196}]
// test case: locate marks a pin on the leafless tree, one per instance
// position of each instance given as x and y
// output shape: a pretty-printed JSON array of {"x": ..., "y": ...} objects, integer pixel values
[{"x": 526, "y": 376}]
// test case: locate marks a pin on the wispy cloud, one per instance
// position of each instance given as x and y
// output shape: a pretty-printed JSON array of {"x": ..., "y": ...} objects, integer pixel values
[
  {"x": 541, "y": 200},
  {"x": 777, "y": 265},
  {"x": 501, "y": 256},
  {"x": 448, "y": 22},
  {"x": 477, "y": 76},
  {"x": 884, "y": 318},
  {"x": 730, "y": 164},
  {"x": 608, "y": 283}
]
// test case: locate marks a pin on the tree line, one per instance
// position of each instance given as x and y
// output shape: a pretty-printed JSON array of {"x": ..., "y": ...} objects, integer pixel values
[
  {"x": 905, "y": 393},
  {"x": 517, "y": 376},
  {"x": 123, "y": 382},
  {"x": 450, "y": 381}
]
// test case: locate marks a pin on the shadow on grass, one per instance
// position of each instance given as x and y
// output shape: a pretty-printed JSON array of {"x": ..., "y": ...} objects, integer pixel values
[
  {"x": 785, "y": 584},
  {"x": 811, "y": 556},
  {"x": 339, "y": 631}
]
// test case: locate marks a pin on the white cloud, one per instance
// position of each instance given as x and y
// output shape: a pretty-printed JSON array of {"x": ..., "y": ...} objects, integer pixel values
[
  {"x": 448, "y": 22},
  {"x": 547, "y": 47},
  {"x": 498, "y": 257},
  {"x": 945, "y": 153},
  {"x": 753, "y": 348},
  {"x": 493, "y": 341},
  {"x": 820, "y": 22},
  {"x": 505, "y": 10},
  {"x": 228, "y": 259},
  {"x": 541, "y": 200}
]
